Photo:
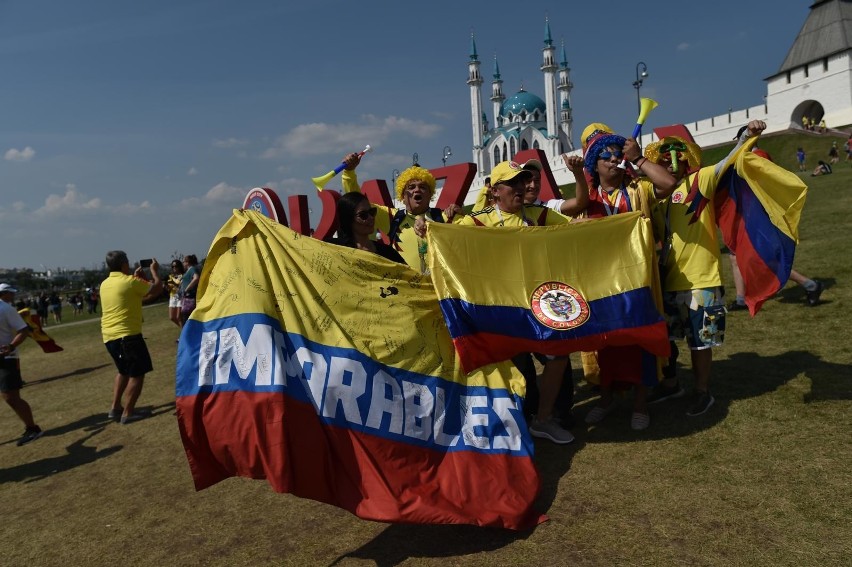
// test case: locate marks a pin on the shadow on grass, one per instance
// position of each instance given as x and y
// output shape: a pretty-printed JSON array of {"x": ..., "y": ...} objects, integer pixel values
[
  {"x": 792, "y": 294},
  {"x": 742, "y": 376},
  {"x": 78, "y": 372},
  {"x": 400, "y": 542},
  {"x": 78, "y": 454}
]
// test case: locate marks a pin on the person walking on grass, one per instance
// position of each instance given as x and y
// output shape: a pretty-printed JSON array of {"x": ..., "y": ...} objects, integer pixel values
[
  {"x": 13, "y": 331},
  {"x": 122, "y": 296}
]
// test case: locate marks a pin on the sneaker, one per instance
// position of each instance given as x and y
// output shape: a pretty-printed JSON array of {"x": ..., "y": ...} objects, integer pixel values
[
  {"x": 598, "y": 413},
  {"x": 661, "y": 392},
  {"x": 551, "y": 431},
  {"x": 639, "y": 421},
  {"x": 813, "y": 296},
  {"x": 702, "y": 403},
  {"x": 115, "y": 413},
  {"x": 734, "y": 306},
  {"x": 135, "y": 416},
  {"x": 30, "y": 434}
]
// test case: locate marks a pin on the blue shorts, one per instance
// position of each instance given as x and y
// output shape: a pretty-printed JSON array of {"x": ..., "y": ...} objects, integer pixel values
[
  {"x": 697, "y": 315},
  {"x": 131, "y": 356}
]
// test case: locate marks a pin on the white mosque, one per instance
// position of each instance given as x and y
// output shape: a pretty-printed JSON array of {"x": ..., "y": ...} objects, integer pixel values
[{"x": 814, "y": 80}]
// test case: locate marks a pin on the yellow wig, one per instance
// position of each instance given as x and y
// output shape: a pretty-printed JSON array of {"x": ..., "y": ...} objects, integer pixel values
[
  {"x": 414, "y": 172},
  {"x": 693, "y": 152}
]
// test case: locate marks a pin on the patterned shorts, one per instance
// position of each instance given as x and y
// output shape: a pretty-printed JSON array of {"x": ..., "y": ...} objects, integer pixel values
[{"x": 697, "y": 315}]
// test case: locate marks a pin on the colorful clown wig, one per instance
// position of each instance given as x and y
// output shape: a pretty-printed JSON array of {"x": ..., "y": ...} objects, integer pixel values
[
  {"x": 685, "y": 151},
  {"x": 597, "y": 143},
  {"x": 414, "y": 172}
]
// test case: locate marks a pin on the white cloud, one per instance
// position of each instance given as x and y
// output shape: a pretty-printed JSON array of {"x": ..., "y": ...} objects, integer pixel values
[
  {"x": 192, "y": 171},
  {"x": 20, "y": 155},
  {"x": 218, "y": 195},
  {"x": 229, "y": 143},
  {"x": 74, "y": 202},
  {"x": 683, "y": 46},
  {"x": 320, "y": 138}
]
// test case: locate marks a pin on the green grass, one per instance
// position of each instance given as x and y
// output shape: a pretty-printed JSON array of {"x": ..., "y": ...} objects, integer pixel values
[{"x": 762, "y": 479}]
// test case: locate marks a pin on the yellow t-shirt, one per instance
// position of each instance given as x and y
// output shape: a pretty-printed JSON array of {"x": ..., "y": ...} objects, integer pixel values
[
  {"x": 121, "y": 305},
  {"x": 694, "y": 260}
]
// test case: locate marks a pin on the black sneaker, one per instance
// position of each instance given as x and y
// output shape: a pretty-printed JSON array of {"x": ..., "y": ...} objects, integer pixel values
[
  {"x": 661, "y": 392},
  {"x": 701, "y": 403},
  {"x": 30, "y": 434},
  {"x": 737, "y": 306},
  {"x": 135, "y": 416},
  {"x": 813, "y": 296}
]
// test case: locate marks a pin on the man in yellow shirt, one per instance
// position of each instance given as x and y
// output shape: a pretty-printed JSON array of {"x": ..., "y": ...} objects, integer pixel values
[
  {"x": 508, "y": 187},
  {"x": 122, "y": 296}
]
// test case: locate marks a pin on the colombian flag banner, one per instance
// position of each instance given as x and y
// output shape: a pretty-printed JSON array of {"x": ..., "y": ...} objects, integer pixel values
[
  {"x": 37, "y": 333},
  {"x": 758, "y": 206},
  {"x": 329, "y": 372},
  {"x": 552, "y": 290}
]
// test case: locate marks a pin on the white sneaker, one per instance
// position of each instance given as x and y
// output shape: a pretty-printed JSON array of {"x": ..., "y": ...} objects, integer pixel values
[
  {"x": 551, "y": 431},
  {"x": 598, "y": 413}
]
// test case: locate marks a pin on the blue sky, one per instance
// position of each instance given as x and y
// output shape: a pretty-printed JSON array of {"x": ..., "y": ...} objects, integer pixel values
[{"x": 141, "y": 125}]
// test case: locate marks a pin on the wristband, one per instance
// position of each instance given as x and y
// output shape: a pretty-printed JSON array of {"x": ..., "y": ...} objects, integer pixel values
[{"x": 636, "y": 161}]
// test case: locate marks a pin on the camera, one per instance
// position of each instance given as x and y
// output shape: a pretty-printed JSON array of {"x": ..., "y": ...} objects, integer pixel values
[{"x": 146, "y": 263}]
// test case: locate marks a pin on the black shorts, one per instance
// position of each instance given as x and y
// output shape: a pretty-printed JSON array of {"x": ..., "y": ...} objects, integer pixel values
[
  {"x": 10, "y": 374},
  {"x": 130, "y": 355}
]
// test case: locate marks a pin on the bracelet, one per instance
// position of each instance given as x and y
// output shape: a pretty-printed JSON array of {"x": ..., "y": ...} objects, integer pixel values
[{"x": 637, "y": 160}]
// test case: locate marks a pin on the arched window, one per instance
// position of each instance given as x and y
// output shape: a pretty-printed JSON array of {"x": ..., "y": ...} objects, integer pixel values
[
  {"x": 523, "y": 116},
  {"x": 535, "y": 144},
  {"x": 512, "y": 148},
  {"x": 505, "y": 155},
  {"x": 524, "y": 145},
  {"x": 497, "y": 154}
]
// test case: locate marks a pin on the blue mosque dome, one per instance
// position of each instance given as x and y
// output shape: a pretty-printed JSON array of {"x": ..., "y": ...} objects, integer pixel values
[{"x": 523, "y": 101}]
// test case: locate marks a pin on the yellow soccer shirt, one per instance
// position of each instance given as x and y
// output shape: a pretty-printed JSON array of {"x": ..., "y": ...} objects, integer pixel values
[
  {"x": 121, "y": 305},
  {"x": 694, "y": 259},
  {"x": 531, "y": 215}
]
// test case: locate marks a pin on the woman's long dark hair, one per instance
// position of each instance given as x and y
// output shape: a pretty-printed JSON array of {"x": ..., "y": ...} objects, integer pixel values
[{"x": 346, "y": 206}]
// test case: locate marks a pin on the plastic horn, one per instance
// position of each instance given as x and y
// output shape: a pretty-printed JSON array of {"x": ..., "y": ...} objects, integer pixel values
[
  {"x": 323, "y": 179},
  {"x": 646, "y": 105}
]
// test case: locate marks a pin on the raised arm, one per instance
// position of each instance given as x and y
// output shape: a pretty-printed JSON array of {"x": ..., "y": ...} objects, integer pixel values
[
  {"x": 577, "y": 204},
  {"x": 664, "y": 182},
  {"x": 348, "y": 178},
  {"x": 754, "y": 128}
]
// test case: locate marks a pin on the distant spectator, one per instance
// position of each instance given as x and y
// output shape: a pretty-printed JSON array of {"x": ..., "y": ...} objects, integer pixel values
[
  {"x": 833, "y": 154},
  {"x": 821, "y": 169},
  {"x": 822, "y": 127},
  {"x": 805, "y": 122},
  {"x": 92, "y": 300},
  {"x": 173, "y": 285},
  {"x": 55, "y": 307},
  {"x": 189, "y": 286},
  {"x": 849, "y": 148},
  {"x": 43, "y": 307},
  {"x": 800, "y": 157},
  {"x": 812, "y": 124}
]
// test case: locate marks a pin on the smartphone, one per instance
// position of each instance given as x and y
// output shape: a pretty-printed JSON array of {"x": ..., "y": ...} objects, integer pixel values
[{"x": 146, "y": 263}]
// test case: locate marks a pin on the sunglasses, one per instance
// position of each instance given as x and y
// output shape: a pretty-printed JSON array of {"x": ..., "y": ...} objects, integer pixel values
[
  {"x": 607, "y": 154},
  {"x": 667, "y": 148},
  {"x": 365, "y": 214}
]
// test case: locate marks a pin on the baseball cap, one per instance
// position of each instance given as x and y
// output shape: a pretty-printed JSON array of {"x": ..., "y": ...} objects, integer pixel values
[
  {"x": 6, "y": 288},
  {"x": 508, "y": 170}
]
